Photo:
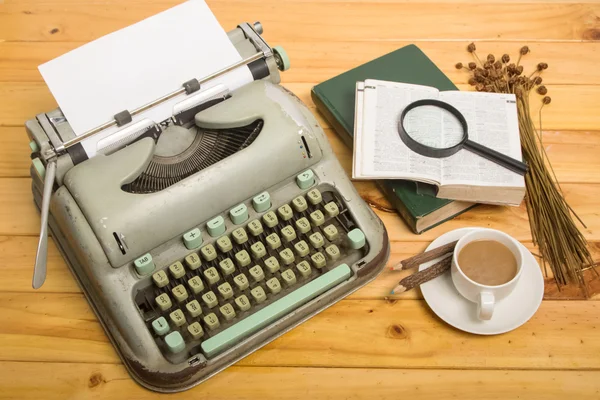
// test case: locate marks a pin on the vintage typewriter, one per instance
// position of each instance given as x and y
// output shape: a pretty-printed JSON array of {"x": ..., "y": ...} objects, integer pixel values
[{"x": 204, "y": 237}]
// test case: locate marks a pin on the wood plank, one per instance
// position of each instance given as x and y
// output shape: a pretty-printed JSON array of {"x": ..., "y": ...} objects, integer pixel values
[
  {"x": 18, "y": 215},
  {"x": 319, "y": 61},
  {"x": 14, "y": 152},
  {"x": 572, "y": 108},
  {"x": 69, "y": 21},
  {"x": 112, "y": 381},
  {"x": 17, "y": 253},
  {"x": 400, "y": 334}
]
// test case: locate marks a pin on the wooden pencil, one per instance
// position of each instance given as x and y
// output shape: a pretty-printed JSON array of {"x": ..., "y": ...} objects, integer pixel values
[
  {"x": 419, "y": 259},
  {"x": 421, "y": 277}
]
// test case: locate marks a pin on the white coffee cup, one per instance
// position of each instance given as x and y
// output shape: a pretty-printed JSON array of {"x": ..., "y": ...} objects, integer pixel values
[{"x": 485, "y": 296}]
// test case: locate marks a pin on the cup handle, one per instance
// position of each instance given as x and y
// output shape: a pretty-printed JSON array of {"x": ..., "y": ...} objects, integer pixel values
[{"x": 486, "y": 305}]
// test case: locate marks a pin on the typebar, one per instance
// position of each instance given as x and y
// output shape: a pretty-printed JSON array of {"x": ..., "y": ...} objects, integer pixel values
[{"x": 272, "y": 312}]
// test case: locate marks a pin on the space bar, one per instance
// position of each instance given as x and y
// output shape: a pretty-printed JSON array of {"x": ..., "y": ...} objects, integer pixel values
[{"x": 272, "y": 312}]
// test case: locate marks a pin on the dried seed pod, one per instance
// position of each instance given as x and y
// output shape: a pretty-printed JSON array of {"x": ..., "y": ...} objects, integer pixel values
[
  {"x": 472, "y": 82},
  {"x": 524, "y": 50},
  {"x": 542, "y": 66},
  {"x": 487, "y": 65},
  {"x": 491, "y": 58},
  {"x": 546, "y": 100},
  {"x": 519, "y": 70},
  {"x": 505, "y": 58},
  {"x": 498, "y": 64},
  {"x": 459, "y": 65},
  {"x": 542, "y": 90},
  {"x": 537, "y": 80},
  {"x": 471, "y": 48},
  {"x": 479, "y": 87},
  {"x": 472, "y": 65}
]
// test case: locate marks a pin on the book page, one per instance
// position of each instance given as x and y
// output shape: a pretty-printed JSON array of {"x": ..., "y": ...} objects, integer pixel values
[
  {"x": 383, "y": 154},
  {"x": 492, "y": 121},
  {"x": 139, "y": 64}
]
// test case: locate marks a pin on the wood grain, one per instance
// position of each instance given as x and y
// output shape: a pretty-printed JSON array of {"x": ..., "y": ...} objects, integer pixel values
[
  {"x": 314, "y": 21},
  {"x": 368, "y": 333},
  {"x": 319, "y": 61},
  {"x": 79, "y": 381}
]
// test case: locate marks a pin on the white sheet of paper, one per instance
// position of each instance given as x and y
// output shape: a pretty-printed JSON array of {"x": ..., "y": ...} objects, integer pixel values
[{"x": 138, "y": 64}]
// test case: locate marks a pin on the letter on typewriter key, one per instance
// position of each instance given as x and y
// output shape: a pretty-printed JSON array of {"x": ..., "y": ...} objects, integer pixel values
[
  {"x": 242, "y": 303},
  {"x": 239, "y": 236},
  {"x": 318, "y": 260},
  {"x": 301, "y": 248},
  {"x": 255, "y": 227},
  {"x": 317, "y": 218},
  {"x": 258, "y": 250},
  {"x": 314, "y": 196},
  {"x": 180, "y": 293},
  {"x": 332, "y": 209},
  {"x": 177, "y": 270},
  {"x": 287, "y": 256},
  {"x": 257, "y": 273},
  {"x": 259, "y": 295},
  {"x": 196, "y": 284},
  {"x": 160, "y": 279},
  {"x": 285, "y": 212},
  {"x": 195, "y": 330},
  {"x": 288, "y": 277},
  {"x": 225, "y": 290},
  {"x": 193, "y": 261},
  {"x": 272, "y": 264},
  {"x": 316, "y": 239},
  {"x": 177, "y": 317},
  {"x": 299, "y": 204},
  {"x": 331, "y": 232},
  {"x": 241, "y": 282},
  {"x": 227, "y": 311},
  {"x": 333, "y": 252},
  {"x": 212, "y": 276},
  {"x": 303, "y": 225},
  {"x": 227, "y": 267},
  {"x": 160, "y": 326},
  {"x": 274, "y": 285},
  {"x": 163, "y": 301},
  {"x": 208, "y": 252},
  {"x": 224, "y": 244},
  {"x": 273, "y": 241},
  {"x": 193, "y": 308},
  {"x": 288, "y": 233},
  {"x": 210, "y": 299},
  {"x": 303, "y": 268},
  {"x": 270, "y": 219},
  {"x": 261, "y": 202},
  {"x": 243, "y": 258},
  {"x": 212, "y": 321}
]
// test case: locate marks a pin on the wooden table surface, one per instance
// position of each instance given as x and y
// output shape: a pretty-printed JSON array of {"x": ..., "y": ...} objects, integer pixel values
[{"x": 369, "y": 345}]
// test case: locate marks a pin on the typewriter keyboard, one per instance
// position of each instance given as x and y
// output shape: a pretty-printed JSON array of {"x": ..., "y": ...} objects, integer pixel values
[{"x": 231, "y": 286}]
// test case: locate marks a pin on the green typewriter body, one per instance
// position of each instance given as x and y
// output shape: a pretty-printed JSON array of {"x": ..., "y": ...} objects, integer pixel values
[{"x": 202, "y": 244}]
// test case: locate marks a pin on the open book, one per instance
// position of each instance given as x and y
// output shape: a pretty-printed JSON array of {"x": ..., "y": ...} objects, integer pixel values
[{"x": 379, "y": 153}]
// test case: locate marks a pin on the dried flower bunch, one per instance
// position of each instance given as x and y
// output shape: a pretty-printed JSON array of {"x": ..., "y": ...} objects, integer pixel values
[{"x": 562, "y": 246}]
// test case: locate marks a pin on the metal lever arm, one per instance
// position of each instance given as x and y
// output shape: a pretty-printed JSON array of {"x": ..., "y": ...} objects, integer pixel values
[{"x": 39, "y": 269}]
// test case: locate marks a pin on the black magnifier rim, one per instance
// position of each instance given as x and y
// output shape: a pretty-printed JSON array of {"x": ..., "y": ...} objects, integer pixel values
[{"x": 428, "y": 151}]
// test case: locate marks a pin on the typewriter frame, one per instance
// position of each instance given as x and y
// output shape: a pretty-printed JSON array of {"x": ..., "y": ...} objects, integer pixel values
[{"x": 65, "y": 225}]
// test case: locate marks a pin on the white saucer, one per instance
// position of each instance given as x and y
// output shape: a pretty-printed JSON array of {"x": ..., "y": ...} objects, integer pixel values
[{"x": 510, "y": 313}]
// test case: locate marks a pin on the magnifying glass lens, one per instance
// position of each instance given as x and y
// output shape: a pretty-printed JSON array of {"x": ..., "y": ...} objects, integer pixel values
[{"x": 424, "y": 125}]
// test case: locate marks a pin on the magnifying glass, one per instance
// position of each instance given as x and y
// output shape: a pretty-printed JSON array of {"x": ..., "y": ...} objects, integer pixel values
[{"x": 420, "y": 143}]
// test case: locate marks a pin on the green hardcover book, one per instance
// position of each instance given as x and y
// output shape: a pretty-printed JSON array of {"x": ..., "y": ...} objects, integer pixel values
[{"x": 334, "y": 98}]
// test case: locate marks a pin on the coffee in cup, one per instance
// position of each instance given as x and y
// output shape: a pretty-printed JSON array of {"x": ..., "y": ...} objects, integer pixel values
[{"x": 486, "y": 266}]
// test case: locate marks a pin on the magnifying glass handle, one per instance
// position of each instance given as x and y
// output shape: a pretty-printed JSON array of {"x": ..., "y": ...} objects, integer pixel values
[{"x": 496, "y": 157}]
